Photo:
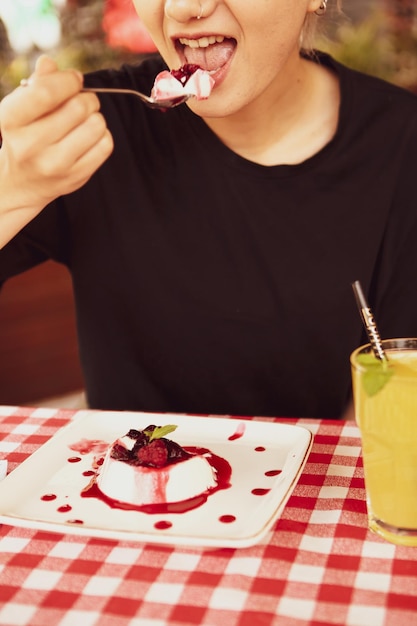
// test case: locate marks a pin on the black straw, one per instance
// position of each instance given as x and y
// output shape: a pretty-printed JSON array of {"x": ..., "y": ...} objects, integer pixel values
[{"x": 369, "y": 322}]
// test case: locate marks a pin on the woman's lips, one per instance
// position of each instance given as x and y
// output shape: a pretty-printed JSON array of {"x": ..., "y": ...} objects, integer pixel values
[{"x": 206, "y": 54}]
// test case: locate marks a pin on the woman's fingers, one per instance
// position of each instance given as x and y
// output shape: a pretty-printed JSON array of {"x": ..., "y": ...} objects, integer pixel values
[{"x": 54, "y": 136}]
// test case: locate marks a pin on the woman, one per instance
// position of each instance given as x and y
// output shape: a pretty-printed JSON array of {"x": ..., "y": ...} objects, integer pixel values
[{"x": 212, "y": 247}]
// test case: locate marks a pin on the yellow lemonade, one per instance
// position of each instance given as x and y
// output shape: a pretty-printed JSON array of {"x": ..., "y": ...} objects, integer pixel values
[{"x": 386, "y": 412}]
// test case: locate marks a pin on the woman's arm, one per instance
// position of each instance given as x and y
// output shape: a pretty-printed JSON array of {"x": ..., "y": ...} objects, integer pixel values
[{"x": 53, "y": 140}]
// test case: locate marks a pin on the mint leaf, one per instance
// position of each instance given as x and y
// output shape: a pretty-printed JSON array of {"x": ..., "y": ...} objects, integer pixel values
[
  {"x": 160, "y": 431},
  {"x": 377, "y": 373}
]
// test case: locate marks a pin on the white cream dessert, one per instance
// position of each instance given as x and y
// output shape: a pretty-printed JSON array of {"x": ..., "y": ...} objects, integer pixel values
[
  {"x": 144, "y": 468},
  {"x": 187, "y": 80}
]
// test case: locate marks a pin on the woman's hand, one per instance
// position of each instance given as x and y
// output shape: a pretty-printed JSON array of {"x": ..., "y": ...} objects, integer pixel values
[{"x": 53, "y": 139}]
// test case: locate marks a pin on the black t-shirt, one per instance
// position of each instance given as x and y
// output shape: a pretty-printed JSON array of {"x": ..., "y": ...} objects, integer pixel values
[{"x": 207, "y": 283}]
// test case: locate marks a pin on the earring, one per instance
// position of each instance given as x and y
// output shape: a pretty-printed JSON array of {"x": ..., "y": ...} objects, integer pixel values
[{"x": 322, "y": 8}]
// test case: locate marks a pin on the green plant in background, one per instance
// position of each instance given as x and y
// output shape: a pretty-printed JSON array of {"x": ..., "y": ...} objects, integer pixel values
[{"x": 374, "y": 47}]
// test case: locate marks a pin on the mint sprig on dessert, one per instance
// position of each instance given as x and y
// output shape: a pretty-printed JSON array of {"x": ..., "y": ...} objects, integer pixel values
[
  {"x": 159, "y": 431},
  {"x": 377, "y": 373}
]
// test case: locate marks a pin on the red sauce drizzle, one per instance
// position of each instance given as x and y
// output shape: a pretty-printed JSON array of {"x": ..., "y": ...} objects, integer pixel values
[
  {"x": 273, "y": 472},
  {"x": 223, "y": 471},
  {"x": 260, "y": 492},
  {"x": 260, "y": 449},
  {"x": 239, "y": 432},
  {"x": 48, "y": 497},
  {"x": 89, "y": 473},
  {"x": 85, "y": 446},
  {"x": 227, "y": 519},
  {"x": 75, "y": 521},
  {"x": 74, "y": 459}
]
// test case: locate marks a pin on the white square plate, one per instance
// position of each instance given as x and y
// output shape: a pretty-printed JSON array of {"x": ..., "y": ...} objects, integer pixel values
[{"x": 266, "y": 458}]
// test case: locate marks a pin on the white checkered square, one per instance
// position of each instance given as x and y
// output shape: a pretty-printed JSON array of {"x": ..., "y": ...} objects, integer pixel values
[
  {"x": 43, "y": 413},
  {"x": 67, "y": 550},
  {"x": 373, "y": 581},
  {"x": 323, "y": 545},
  {"x": 331, "y": 492},
  {"x": 225, "y": 598},
  {"x": 306, "y": 573},
  {"x": 17, "y": 614},
  {"x": 81, "y": 618},
  {"x": 25, "y": 429},
  {"x": 247, "y": 566},
  {"x": 350, "y": 430},
  {"x": 164, "y": 593},
  {"x": 101, "y": 586},
  {"x": 328, "y": 516},
  {"x": 13, "y": 545},
  {"x": 182, "y": 562},
  {"x": 9, "y": 446},
  {"x": 347, "y": 451},
  {"x": 7, "y": 410},
  {"x": 362, "y": 615},
  {"x": 296, "y": 608},
  {"x": 341, "y": 470},
  {"x": 378, "y": 550},
  {"x": 124, "y": 556},
  {"x": 42, "y": 579}
]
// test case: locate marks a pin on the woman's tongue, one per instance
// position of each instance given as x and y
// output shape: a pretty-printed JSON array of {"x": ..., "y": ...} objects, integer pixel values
[{"x": 210, "y": 58}]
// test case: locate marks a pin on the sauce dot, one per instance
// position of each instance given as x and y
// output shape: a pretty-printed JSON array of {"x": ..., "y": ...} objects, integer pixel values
[
  {"x": 259, "y": 449},
  {"x": 260, "y": 492},
  {"x": 227, "y": 519},
  {"x": 273, "y": 472},
  {"x": 75, "y": 521},
  {"x": 162, "y": 525},
  {"x": 64, "y": 508},
  {"x": 74, "y": 459},
  {"x": 48, "y": 497},
  {"x": 89, "y": 473}
]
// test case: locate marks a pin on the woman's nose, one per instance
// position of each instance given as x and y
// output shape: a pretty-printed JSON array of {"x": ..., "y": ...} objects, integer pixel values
[{"x": 185, "y": 10}]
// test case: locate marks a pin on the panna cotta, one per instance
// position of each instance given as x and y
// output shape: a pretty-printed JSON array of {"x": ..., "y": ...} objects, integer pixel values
[
  {"x": 145, "y": 468},
  {"x": 188, "y": 80}
]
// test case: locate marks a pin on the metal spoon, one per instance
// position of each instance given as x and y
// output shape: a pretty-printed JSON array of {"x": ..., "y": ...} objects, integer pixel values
[{"x": 169, "y": 103}]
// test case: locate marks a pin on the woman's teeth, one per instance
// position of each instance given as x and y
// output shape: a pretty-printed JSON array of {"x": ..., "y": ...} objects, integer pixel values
[{"x": 202, "y": 42}]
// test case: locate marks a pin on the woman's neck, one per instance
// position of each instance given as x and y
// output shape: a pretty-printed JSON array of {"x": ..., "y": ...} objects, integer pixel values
[{"x": 289, "y": 124}]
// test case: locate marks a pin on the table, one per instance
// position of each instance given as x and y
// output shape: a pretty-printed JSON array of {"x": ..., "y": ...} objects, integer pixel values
[{"x": 318, "y": 566}]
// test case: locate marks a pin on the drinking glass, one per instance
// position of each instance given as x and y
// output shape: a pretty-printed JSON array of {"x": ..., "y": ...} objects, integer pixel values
[{"x": 385, "y": 399}]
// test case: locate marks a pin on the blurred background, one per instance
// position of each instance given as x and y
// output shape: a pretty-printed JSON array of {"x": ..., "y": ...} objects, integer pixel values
[{"x": 38, "y": 349}]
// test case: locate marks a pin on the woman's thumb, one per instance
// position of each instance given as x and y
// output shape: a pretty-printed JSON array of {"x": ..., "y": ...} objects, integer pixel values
[{"x": 45, "y": 65}]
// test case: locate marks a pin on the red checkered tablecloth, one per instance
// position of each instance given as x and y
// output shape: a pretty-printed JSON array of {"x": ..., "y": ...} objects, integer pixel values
[{"x": 319, "y": 565}]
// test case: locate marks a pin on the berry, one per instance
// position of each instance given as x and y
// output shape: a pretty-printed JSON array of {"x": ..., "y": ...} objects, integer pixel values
[
  {"x": 155, "y": 454},
  {"x": 184, "y": 72}
]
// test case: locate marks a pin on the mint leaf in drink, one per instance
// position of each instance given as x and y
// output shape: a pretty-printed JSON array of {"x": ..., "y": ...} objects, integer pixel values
[{"x": 377, "y": 373}]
